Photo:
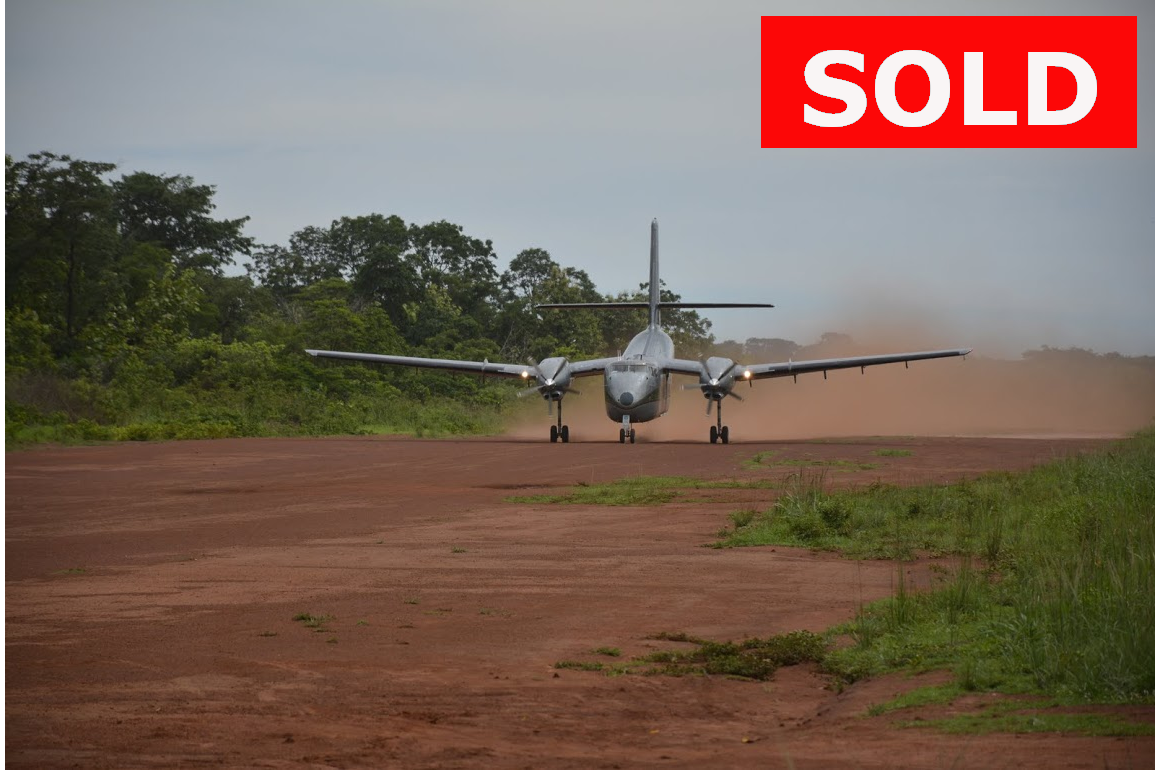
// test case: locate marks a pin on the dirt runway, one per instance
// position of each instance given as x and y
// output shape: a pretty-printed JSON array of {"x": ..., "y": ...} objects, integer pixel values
[{"x": 151, "y": 591}]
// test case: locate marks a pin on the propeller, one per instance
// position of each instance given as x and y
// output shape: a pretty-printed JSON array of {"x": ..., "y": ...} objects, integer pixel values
[
  {"x": 553, "y": 379},
  {"x": 715, "y": 380}
]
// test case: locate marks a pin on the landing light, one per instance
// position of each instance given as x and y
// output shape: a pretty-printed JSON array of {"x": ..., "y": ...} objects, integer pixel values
[
  {"x": 525, "y": 375},
  {"x": 747, "y": 374}
]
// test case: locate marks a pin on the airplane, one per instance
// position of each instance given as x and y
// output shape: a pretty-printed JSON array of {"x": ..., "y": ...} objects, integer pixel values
[{"x": 637, "y": 382}]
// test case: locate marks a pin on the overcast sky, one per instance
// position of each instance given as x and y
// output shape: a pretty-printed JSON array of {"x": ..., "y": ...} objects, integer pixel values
[{"x": 569, "y": 126}]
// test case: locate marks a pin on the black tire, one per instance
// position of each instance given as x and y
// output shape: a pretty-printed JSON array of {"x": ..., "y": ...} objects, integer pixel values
[
  {"x": 725, "y": 434},
  {"x": 632, "y": 434},
  {"x": 565, "y": 434},
  {"x": 713, "y": 434},
  {"x": 621, "y": 435},
  {"x": 553, "y": 434}
]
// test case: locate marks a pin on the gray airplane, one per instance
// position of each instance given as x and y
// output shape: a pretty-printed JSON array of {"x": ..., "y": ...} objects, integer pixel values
[{"x": 637, "y": 383}]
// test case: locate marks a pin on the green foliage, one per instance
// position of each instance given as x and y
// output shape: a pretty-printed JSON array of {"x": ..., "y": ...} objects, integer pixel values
[
  {"x": 638, "y": 490},
  {"x": 121, "y": 326},
  {"x": 579, "y": 665},
  {"x": 753, "y": 658},
  {"x": 1037, "y": 722},
  {"x": 316, "y": 622},
  {"x": 1051, "y": 589},
  {"x": 26, "y": 342},
  {"x": 748, "y": 659}
]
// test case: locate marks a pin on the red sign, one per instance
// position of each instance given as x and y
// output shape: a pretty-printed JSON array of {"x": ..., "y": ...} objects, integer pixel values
[{"x": 949, "y": 81}]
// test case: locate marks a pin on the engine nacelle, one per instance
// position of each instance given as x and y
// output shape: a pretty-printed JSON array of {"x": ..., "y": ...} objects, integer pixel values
[
  {"x": 553, "y": 378},
  {"x": 717, "y": 377}
]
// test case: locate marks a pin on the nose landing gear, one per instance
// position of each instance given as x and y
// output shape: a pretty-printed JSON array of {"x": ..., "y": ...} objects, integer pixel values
[{"x": 626, "y": 431}]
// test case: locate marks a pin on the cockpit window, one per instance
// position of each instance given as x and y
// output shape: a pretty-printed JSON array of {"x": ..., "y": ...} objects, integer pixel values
[{"x": 629, "y": 368}]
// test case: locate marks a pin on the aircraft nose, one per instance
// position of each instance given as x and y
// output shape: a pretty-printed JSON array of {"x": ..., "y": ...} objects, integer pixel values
[{"x": 626, "y": 398}]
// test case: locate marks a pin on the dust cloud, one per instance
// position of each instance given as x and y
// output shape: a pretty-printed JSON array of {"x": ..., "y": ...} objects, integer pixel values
[{"x": 1047, "y": 392}]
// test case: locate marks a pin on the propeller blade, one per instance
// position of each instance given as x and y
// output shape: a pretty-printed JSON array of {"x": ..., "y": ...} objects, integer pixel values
[
  {"x": 735, "y": 395},
  {"x": 550, "y": 402},
  {"x": 528, "y": 392},
  {"x": 709, "y": 405}
]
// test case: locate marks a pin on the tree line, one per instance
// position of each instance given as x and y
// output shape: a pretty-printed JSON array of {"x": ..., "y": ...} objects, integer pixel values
[
  {"x": 124, "y": 320},
  {"x": 127, "y": 316}
]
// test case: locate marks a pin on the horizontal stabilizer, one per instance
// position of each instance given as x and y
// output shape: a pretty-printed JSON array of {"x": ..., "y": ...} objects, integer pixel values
[{"x": 643, "y": 305}]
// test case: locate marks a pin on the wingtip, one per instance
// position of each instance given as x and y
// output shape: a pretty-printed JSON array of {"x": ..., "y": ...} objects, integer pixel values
[{"x": 312, "y": 352}]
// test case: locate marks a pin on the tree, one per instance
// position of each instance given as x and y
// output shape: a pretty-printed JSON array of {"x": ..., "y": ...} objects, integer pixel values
[
  {"x": 766, "y": 350},
  {"x": 60, "y": 239},
  {"x": 463, "y": 266},
  {"x": 527, "y": 272},
  {"x": 175, "y": 214}
]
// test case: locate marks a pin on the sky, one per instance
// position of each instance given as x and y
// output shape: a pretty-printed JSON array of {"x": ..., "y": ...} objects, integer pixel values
[{"x": 570, "y": 126}]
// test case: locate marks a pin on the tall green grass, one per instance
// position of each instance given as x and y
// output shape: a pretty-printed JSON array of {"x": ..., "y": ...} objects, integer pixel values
[
  {"x": 187, "y": 413},
  {"x": 1052, "y": 589}
]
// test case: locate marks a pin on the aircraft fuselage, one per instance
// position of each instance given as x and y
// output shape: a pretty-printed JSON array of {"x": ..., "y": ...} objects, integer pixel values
[{"x": 636, "y": 386}]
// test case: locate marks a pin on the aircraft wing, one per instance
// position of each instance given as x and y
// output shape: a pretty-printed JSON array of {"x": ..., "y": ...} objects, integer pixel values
[
  {"x": 489, "y": 368},
  {"x": 682, "y": 366},
  {"x": 794, "y": 368},
  {"x": 592, "y": 366}
]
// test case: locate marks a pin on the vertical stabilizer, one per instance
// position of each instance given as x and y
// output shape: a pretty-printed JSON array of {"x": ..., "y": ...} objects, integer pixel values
[{"x": 655, "y": 281}]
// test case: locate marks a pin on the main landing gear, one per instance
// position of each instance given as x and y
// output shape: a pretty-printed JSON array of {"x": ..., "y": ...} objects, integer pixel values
[
  {"x": 720, "y": 431},
  {"x": 626, "y": 431},
  {"x": 559, "y": 430}
]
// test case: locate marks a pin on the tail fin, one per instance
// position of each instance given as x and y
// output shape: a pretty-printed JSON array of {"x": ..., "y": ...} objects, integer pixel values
[
  {"x": 655, "y": 303},
  {"x": 655, "y": 281}
]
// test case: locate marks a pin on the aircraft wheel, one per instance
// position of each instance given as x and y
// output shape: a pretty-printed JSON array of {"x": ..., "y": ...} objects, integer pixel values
[
  {"x": 553, "y": 434},
  {"x": 565, "y": 434},
  {"x": 725, "y": 434},
  {"x": 632, "y": 434},
  {"x": 622, "y": 435},
  {"x": 713, "y": 434}
]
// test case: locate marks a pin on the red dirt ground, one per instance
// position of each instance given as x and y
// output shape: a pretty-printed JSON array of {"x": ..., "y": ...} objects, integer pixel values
[{"x": 151, "y": 590}]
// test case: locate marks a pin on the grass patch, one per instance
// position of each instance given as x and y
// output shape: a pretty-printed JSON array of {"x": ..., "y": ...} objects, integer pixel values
[
  {"x": 457, "y": 549},
  {"x": 755, "y": 659},
  {"x": 638, "y": 490},
  {"x": 1051, "y": 591},
  {"x": 760, "y": 459},
  {"x": 743, "y": 518},
  {"x": 310, "y": 620},
  {"x": 935, "y": 695},
  {"x": 748, "y": 659},
  {"x": 580, "y": 665},
  {"x": 892, "y": 453},
  {"x": 770, "y": 459},
  {"x": 1009, "y": 715},
  {"x": 1037, "y": 722},
  {"x": 677, "y": 636}
]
